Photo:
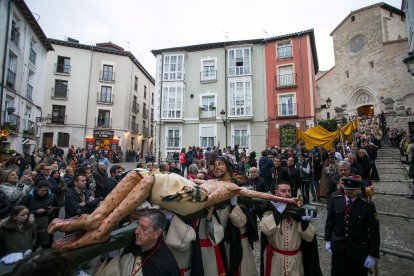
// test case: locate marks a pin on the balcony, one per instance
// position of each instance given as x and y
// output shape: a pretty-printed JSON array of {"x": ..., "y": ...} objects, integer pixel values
[
  {"x": 60, "y": 93},
  {"x": 145, "y": 113},
  {"x": 12, "y": 121},
  {"x": 11, "y": 79},
  {"x": 207, "y": 115},
  {"x": 29, "y": 127},
  {"x": 287, "y": 80},
  {"x": 103, "y": 122},
  {"x": 32, "y": 57},
  {"x": 62, "y": 69},
  {"x": 29, "y": 92},
  {"x": 57, "y": 119},
  {"x": 106, "y": 76},
  {"x": 134, "y": 127},
  {"x": 135, "y": 107},
  {"x": 287, "y": 110},
  {"x": 208, "y": 76},
  {"x": 145, "y": 131},
  {"x": 105, "y": 98}
]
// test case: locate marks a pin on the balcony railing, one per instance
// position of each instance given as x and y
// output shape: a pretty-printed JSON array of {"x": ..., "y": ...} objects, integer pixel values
[
  {"x": 134, "y": 127},
  {"x": 29, "y": 92},
  {"x": 57, "y": 119},
  {"x": 60, "y": 93},
  {"x": 12, "y": 121},
  {"x": 287, "y": 80},
  {"x": 29, "y": 127},
  {"x": 105, "y": 98},
  {"x": 287, "y": 110},
  {"x": 208, "y": 76},
  {"x": 145, "y": 130},
  {"x": 11, "y": 78},
  {"x": 135, "y": 107},
  {"x": 207, "y": 115},
  {"x": 107, "y": 76},
  {"x": 103, "y": 122},
  {"x": 145, "y": 113},
  {"x": 62, "y": 69},
  {"x": 32, "y": 57}
]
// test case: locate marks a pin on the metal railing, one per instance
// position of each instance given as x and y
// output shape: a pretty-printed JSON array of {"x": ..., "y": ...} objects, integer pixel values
[
  {"x": 29, "y": 92},
  {"x": 103, "y": 122},
  {"x": 286, "y": 80},
  {"x": 62, "y": 69},
  {"x": 287, "y": 110},
  {"x": 208, "y": 76},
  {"x": 134, "y": 127},
  {"x": 145, "y": 113},
  {"x": 207, "y": 115},
  {"x": 58, "y": 119},
  {"x": 135, "y": 107},
  {"x": 29, "y": 127},
  {"x": 12, "y": 121},
  {"x": 32, "y": 57},
  {"x": 145, "y": 130},
  {"x": 107, "y": 76},
  {"x": 60, "y": 92},
  {"x": 105, "y": 98},
  {"x": 11, "y": 78}
]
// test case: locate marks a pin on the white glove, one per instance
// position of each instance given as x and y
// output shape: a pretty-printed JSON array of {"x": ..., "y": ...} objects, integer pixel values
[
  {"x": 308, "y": 216},
  {"x": 233, "y": 201},
  {"x": 144, "y": 205},
  {"x": 328, "y": 247},
  {"x": 369, "y": 262},
  {"x": 280, "y": 206},
  {"x": 12, "y": 258},
  {"x": 27, "y": 252}
]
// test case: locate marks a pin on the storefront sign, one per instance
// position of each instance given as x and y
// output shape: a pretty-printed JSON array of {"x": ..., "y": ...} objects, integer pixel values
[{"x": 108, "y": 134}]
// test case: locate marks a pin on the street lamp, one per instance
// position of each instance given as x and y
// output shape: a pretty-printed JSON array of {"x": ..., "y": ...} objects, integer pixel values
[
  {"x": 223, "y": 117},
  {"x": 328, "y": 102},
  {"x": 409, "y": 61}
]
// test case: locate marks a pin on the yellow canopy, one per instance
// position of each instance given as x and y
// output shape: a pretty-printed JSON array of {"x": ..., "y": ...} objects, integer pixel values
[{"x": 318, "y": 136}]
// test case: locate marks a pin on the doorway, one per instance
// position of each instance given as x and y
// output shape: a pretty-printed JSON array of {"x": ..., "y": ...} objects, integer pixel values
[
  {"x": 365, "y": 110},
  {"x": 47, "y": 140}
]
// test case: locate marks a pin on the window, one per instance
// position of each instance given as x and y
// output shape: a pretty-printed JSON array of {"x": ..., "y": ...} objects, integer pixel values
[
  {"x": 173, "y": 138},
  {"x": 152, "y": 98},
  {"x": 209, "y": 72},
  {"x": 239, "y": 61},
  {"x": 104, "y": 118},
  {"x": 285, "y": 76},
  {"x": 371, "y": 64},
  {"x": 108, "y": 73},
  {"x": 353, "y": 18},
  {"x": 29, "y": 91},
  {"x": 135, "y": 106},
  {"x": 58, "y": 114},
  {"x": 240, "y": 97},
  {"x": 136, "y": 83},
  {"x": 144, "y": 111},
  {"x": 106, "y": 94},
  {"x": 145, "y": 91},
  {"x": 172, "y": 100},
  {"x": 32, "y": 55},
  {"x": 207, "y": 136},
  {"x": 284, "y": 50},
  {"x": 208, "y": 106},
  {"x": 241, "y": 137},
  {"x": 15, "y": 33},
  {"x": 61, "y": 89},
  {"x": 173, "y": 67},
  {"x": 347, "y": 74},
  {"x": 63, "y": 65},
  {"x": 152, "y": 114},
  {"x": 287, "y": 105},
  {"x": 11, "y": 72},
  {"x": 63, "y": 139}
]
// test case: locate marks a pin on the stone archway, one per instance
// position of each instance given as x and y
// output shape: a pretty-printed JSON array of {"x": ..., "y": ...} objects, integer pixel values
[{"x": 363, "y": 96}]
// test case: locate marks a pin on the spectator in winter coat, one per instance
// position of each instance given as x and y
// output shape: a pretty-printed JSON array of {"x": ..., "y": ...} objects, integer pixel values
[
  {"x": 12, "y": 190},
  {"x": 101, "y": 178},
  {"x": 265, "y": 169}
]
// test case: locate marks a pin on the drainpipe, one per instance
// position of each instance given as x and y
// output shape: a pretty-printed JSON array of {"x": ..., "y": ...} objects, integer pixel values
[
  {"x": 159, "y": 128},
  {"x": 301, "y": 83},
  {"x": 225, "y": 90},
  {"x": 87, "y": 102},
  {"x": 129, "y": 113},
  {"x": 6, "y": 41}
]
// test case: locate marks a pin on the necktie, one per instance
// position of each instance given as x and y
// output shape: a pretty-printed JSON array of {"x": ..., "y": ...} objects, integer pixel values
[{"x": 348, "y": 204}]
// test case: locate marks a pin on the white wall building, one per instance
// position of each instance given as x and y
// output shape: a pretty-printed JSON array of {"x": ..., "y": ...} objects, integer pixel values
[
  {"x": 97, "y": 96},
  {"x": 23, "y": 49}
]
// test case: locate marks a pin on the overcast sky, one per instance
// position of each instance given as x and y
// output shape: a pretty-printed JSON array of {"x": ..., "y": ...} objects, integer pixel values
[{"x": 140, "y": 26}]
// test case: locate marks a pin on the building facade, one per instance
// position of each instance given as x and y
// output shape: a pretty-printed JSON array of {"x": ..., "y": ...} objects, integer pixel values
[
  {"x": 369, "y": 76},
  {"x": 291, "y": 65},
  {"x": 211, "y": 95},
  {"x": 98, "y": 97},
  {"x": 23, "y": 48}
]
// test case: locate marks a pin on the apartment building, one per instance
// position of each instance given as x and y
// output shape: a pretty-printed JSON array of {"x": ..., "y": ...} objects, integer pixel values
[
  {"x": 97, "y": 96},
  {"x": 23, "y": 48}
]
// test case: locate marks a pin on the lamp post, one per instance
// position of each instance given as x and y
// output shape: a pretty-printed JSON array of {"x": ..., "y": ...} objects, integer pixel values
[
  {"x": 224, "y": 119},
  {"x": 328, "y": 102},
  {"x": 409, "y": 61}
]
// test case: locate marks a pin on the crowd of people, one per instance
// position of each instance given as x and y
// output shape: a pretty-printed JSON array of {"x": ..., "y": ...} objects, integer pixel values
[{"x": 31, "y": 196}]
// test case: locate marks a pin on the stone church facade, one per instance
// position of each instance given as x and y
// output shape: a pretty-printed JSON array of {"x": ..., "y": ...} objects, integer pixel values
[{"x": 369, "y": 76}]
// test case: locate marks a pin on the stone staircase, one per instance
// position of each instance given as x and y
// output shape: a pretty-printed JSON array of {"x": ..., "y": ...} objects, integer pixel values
[{"x": 389, "y": 165}]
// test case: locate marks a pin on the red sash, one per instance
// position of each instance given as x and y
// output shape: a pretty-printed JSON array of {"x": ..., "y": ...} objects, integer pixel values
[
  {"x": 269, "y": 256},
  {"x": 184, "y": 270},
  {"x": 219, "y": 260}
]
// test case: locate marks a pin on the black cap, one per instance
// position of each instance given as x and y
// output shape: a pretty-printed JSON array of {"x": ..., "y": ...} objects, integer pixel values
[{"x": 352, "y": 182}]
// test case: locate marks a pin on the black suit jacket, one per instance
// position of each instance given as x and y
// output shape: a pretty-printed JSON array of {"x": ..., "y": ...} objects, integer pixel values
[
  {"x": 73, "y": 200},
  {"x": 357, "y": 234}
]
